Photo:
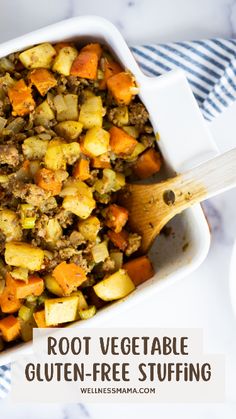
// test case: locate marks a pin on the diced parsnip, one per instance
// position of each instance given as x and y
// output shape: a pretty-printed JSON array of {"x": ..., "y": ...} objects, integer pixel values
[
  {"x": 61, "y": 310},
  {"x": 53, "y": 231},
  {"x": 27, "y": 216},
  {"x": 40, "y": 56},
  {"x": 20, "y": 273},
  {"x": 117, "y": 257},
  {"x": 96, "y": 141},
  {"x": 75, "y": 187},
  {"x": 122, "y": 144},
  {"x": 115, "y": 286},
  {"x": 10, "y": 328},
  {"x": 71, "y": 152},
  {"x": 69, "y": 276},
  {"x": 24, "y": 255},
  {"x": 34, "y": 286},
  {"x": 47, "y": 180},
  {"x": 89, "y": 228},
  {"x": 52, "y": 285},
  {"x": 81, "y": 169},
  {"x": 39, "y": 318},
  {"x": 122, "y": 87},
  {"x": 64, "y": 59},
  {"x": 147, "y": 164},
  {"x": 131, "y": 130},
  {"x": 70, "y": 130},
  {"x": 10, "y": 225},
  {"x": 26, "y": 329},
  {"x": 78, "y": 199},
  {"x": 82, "y": 303},
  {"x": 43, "y": 113},
  {"x": 138, "y": 150},
  {"x": 66, "y": 107},
  {"x": 8, "y": 301},
  {"x": 100, "y": 252},
  {"x": 34, "y": 148},
  {"x": 120, "y": 240},
  {"x": 116, "y": 217},
  {"x": 54, "y": 158},
  {"x": 21, "y": 98},
  {"x": 43, "y": 80},
  {"x": 87, "y": 313},
  {"x": 91, "y": 112},
  {"x": 139, "y": 269}
]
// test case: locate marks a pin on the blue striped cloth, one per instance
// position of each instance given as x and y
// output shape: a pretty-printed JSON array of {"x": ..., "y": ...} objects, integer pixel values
[{"x": 210, "y": 67}]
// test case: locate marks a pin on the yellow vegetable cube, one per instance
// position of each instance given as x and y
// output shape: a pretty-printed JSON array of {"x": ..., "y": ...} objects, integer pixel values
[
  {"x": 71, "y": 152},
  {"x": 53, "y": 231},
  {"x": 82, "y": 303},
  {"x": 64, "y": 60},
  {"x": 61, "y": 310},
  {"x": 24, "y": 255},
  {"x": 34, "y": 148},
  {"x": 91, "y": 112},
  {"x": 80, "y": 205},
  {"x": 100, "y": 252},
  {"x": 40, "y": 56},
  {"x": 89, "y": 228},
  {"x": 52, "y": 285},
  {"x": 66, "y": 107},
  {"x": 43, "y": 113},
  {"x": 10, "y": 225},
  {"x": 54, "y": 158},
  {"x": 96, "y": 141},
  {"x": 70, "y": 130},
  {"x": 115, "y": 286}
]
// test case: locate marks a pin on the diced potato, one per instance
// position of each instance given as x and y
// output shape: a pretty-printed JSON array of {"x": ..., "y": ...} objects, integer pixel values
[
  {"x": 64, "y": 60},
  {"x": 89, "y": 228},
  {"x": 115, "y": 286},
  {"x": 80, "y": 205},
  {"x": 53, "y": 231},
  {"x": 71, "y": 152},
  {"x": 87, "y": 313},
  {"x": 91, "y": 112},
  {"x": 10, "y": 225},
  {"x": 40, "y": 56},
  {"x": 110, "y": 182},
  {"x": 24, "y": 255},
  {"x": 54, "y": 158},
  {"x": 52, "y": 285},
  {"x": 20, "y": 273},
  {"x": 43, "y": 113},
  {"x": 34, "y": 148},
  {"x": 96, "y": 141},
  {"x": 66, "y": 107},
  {"x": 82, "y": 303},
  {"x": 75, "y": 187},
  {"x": 70, "y": 130},
  {"x": 100, "y": 252},
  {"x": 61, "y": 310},
  {"x": 121, "y": 116}
]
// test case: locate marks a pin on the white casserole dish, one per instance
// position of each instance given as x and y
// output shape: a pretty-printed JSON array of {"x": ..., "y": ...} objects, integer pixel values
[{"x": 184, "y": 142}]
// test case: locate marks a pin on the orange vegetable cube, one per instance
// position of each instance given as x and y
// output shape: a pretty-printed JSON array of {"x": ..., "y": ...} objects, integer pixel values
[
  {"x": 81, "y": 169},
  {"x": 122, "y": 144},
  {"x": 46, "y": 179},
  {"x": 8, "y": 301},
  {"x": 69, "y": 276},
  {"x": 94, "y": 48},
  {"x": 34, "y": 286},
  {"x": 10, "y": 328},
  {"x": 101, "y": 162},
  {"x": 139, "y": 269},
  {"x": 43, "y": 80},
  {"x": 39, "y": 317},
  {"x": 21, "y": 98},
  {"x": 122, "y": 87},
  {"x": 61, "y": 45},
  {"x": 120, "y": 240},
  {"x": 147, "y": 164},
  {"x": 116, "y": 217},
  {"x": 85, "y": 65},
  {"x": 110, "y": 69}
]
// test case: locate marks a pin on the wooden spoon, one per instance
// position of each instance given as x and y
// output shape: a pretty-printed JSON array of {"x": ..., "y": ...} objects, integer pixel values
[{"x": 152, "y": 206}]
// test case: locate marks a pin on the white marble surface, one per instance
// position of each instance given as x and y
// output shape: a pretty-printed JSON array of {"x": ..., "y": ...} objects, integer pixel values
[{"x": 202, "y": 299}]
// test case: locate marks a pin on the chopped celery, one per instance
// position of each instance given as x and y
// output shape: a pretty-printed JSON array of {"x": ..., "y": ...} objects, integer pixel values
[
  {"x": 87, "y": 313},
  {"x": 25, "y": 313}
]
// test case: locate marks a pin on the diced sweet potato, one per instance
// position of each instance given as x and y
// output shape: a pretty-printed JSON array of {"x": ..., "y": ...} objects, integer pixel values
[
  {"x": 111, "y": 68},
  {"x": 10, "y": 328},
  {"x": 86, "y": 63},
  {"x": 39, "y": 318},
  {"x": 61, "y": 45},
  {"x": 139, "y": 270},
  {"x": 8, "y": 301},
  {"x": 101, "y": 162},
  {"x": 43, "y": 80},
  {"x": 69, "y": 276},
  {"x": 34, "y": 286},
  {"x": 147, "y": 164},
  {"x": 21, "y": 98},
  {"x": 116, "y": 217},
  {"x": 120, "y": 240},
  {"x": 122, "y": 87},
  {"x": 81, "y": 170},
  {"x": 47, "y": 180},
  {"x": 122, "y": 144}
]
